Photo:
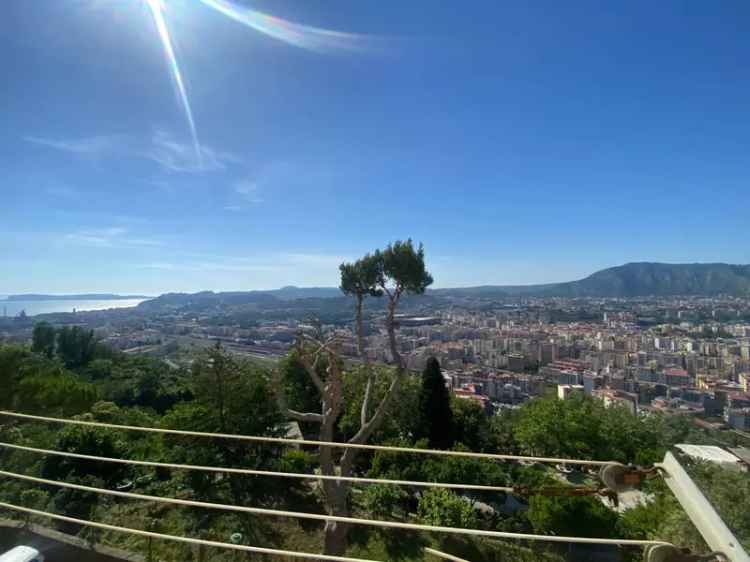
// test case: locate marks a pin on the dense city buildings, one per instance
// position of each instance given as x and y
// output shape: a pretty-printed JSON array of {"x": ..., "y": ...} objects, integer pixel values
[{"x": 686, "y": 356}]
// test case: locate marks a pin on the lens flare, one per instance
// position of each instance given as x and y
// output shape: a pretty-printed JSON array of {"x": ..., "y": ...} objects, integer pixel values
[
  {"x": 303, "y": 36},
  {"x": 161, "y": 26}
]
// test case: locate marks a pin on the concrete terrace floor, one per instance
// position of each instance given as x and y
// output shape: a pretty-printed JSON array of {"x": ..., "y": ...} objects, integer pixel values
[{"x": 56, "y": 546}]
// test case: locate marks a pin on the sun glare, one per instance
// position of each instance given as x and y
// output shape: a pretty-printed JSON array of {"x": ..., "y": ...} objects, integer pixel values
[{"x": 157, "y": 10}]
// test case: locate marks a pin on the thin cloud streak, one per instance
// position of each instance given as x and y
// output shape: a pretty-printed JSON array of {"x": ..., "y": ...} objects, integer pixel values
[
  {"x": 86, "y": 146},
  {"x": 208, "y": 267},
  {"x": 111, "y": 237},
  {"x": 325, "y": 260},
  {"x": 269, "y": 263},
  {"x": 248, "y": 190},
  {"x": 163, "y": 148},
  {"x": 177, "y": 157}
]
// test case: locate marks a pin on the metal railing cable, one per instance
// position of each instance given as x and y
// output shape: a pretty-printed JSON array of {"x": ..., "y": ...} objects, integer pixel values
[
  {"x": 444, "y": 555},
  {"x": 189, "y": 540},
  {"x": 341, "y": 519},
  {"x": 305, "y": 442},
  {"x": 254, "y": 472}
]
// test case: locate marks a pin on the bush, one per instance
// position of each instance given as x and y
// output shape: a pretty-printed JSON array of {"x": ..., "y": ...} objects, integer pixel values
[
  {"x": 381, "y": 500},
  {"x": 443, "y": 508}
]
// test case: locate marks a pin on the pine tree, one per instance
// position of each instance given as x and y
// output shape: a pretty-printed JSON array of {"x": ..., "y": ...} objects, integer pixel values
[
  {"x": 43, "y": 339},
  {"x": 436, "y": 417}
]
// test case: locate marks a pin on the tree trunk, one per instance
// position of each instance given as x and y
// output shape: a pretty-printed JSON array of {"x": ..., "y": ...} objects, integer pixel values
[
  {"x": 360, "y": 328},
  {"x": 390, "y": 325},
  {"x": 336, "y": 494},
  {"x": 335, "y": 542}
]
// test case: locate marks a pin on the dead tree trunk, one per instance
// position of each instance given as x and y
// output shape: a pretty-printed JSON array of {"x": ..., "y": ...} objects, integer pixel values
[
  {"x": 336, "y": 493},
  {"x": 400, "y": 269}
]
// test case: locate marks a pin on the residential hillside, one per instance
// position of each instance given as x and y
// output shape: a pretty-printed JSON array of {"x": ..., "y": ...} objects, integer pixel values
[{"x": 629, "y": 280}]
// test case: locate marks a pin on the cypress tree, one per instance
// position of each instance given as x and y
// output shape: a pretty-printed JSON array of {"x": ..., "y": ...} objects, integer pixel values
[{"x": 436, "y": 416}]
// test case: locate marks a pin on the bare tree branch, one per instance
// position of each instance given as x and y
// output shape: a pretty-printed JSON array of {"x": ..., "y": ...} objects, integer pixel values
[
  {"x": 365, "y": 360},
  {"x": 311, "y": 367},
  {"x": 320, "y": 342},
  {"x": 367, "y": 428},
  {"x": 387, "y": 291},
  {"x": 368, "y": 395},
  {"x": 397, "y": 270},
  {"x": 334, "y": 387},
  {"x": 304, "y": 416},
  {"x": 293, "y": 414}
]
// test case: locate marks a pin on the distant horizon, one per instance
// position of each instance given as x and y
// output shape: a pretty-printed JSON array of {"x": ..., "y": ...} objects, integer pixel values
[
  {"x": 138, "y": 294},
  {"x": 82, "y": 295}
]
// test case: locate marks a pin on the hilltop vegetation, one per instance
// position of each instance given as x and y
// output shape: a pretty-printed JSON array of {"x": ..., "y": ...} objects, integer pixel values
[
  {"x": 660, "y": 279},
  {"x": 220, "y": 393},
  {"x": 633, "y": 280},
  {"x": 66, "y": 372}
]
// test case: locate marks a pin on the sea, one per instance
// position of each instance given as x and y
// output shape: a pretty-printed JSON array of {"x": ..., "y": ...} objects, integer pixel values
[{"x": 32, "y": 308}]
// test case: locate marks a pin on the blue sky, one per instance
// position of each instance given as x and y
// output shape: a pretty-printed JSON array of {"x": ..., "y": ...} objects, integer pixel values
[{"x": 521, "y": 142}]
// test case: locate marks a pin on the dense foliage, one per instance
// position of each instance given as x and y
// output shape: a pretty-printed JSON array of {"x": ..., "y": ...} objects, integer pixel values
[
  {"x": 435, "y": 414},
  {"x": 220, "y": 392}
]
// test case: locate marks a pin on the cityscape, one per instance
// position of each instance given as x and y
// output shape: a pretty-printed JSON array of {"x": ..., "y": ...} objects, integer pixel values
[
  {"x": 374, "y": 281},
  {"x": 553, "y": 383},
  {"x": 683, "y": 355}
]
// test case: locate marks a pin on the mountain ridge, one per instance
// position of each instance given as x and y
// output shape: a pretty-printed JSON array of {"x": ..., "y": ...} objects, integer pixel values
[{"x": 635, "y": 279}]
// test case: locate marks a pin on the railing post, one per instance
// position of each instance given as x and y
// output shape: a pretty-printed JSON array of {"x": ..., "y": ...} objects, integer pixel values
[{"x": 700, "y": 511}]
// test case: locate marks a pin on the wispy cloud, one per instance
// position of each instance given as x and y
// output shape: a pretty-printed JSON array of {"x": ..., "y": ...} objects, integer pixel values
[
  {"x": 170, "y": 153},
  {"x": 210, "y": 266},
  {"x": 324, "y": 260},
  {"x": 85, "y": 146},
  {"x": 160, "y": 265},
  {"x": 176, "y": 156},
  {"x": 269, "y": 262},
  {"x": 248, "y": 190},
  {"x": 110, "y": 237},
  {"x": 193, "y": 271}
]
